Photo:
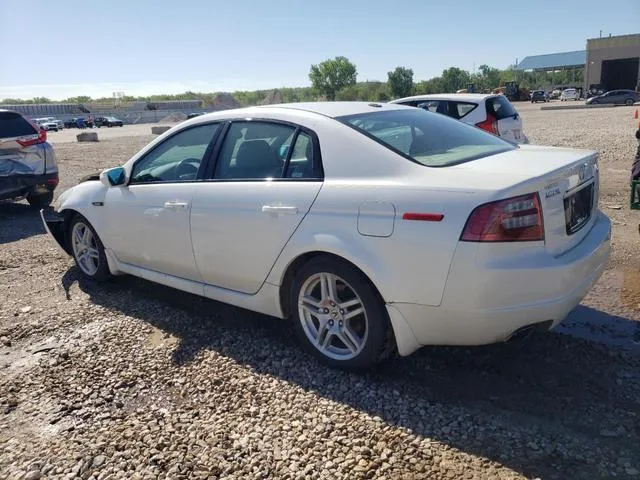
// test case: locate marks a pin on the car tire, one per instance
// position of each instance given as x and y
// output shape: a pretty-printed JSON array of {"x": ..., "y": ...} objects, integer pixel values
[
  {"x": 40, "y": 200},
  {"x": 87, "y": 250},
  {"x": 628, "y": 102},
  {"x": 348, "y": 328}
]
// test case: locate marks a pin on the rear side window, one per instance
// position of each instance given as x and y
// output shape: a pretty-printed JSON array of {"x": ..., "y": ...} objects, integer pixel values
[
  {"x": 425, "y": 138},
  {"x": 13, "y": 124},
  {"x": 462, "y": 109},
  {"x": 500, "y": 107}
]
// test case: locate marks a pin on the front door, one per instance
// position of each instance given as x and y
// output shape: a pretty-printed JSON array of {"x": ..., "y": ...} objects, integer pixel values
[
  {"x": 265, "y": 180},
  {"x": 148, "y": 219}
]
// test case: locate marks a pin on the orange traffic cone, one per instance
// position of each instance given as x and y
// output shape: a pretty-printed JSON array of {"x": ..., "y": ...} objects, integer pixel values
[{"x": 635, "y": 115}]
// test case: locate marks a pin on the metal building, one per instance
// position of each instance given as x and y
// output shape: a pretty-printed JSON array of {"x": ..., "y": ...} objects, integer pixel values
[{"x": 613, "y": 63}]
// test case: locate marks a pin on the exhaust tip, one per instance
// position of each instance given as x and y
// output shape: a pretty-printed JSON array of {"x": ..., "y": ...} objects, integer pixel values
[{"x": 528, "y": 330}]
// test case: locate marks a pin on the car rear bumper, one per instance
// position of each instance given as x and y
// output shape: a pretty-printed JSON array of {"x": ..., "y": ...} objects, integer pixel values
[
  {"x": 487, "y": 302},
  {"x": 14, "y": 186}
]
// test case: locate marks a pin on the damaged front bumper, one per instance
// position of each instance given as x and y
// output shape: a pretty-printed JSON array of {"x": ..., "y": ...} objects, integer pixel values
[{"x": 54, "y": 223}]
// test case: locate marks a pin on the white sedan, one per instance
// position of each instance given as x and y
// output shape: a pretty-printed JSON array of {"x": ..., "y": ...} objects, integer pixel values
[{"x": 375, "y": 227}]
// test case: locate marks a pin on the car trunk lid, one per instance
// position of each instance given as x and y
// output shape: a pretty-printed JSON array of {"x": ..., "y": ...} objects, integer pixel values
[
  {"x": 566, "y": 180},
  {"x": 507, "y": 117}
]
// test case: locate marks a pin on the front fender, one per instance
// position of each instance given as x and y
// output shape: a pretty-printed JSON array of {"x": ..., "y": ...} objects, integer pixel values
[{"x": 87, "y": 199}]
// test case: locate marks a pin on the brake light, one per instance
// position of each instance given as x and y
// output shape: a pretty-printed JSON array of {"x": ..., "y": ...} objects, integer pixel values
[
  {"x": 489, "y": 125},
  {"x": 34, "y": 139},
  {"x": 517, "y": 219},
  {"x": 53, "y": 182}
]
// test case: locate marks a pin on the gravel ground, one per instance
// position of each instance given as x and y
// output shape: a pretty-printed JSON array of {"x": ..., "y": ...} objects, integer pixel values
[{"x": 132, "y": 380}]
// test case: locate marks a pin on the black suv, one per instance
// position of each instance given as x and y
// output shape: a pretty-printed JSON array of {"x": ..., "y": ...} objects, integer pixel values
[{"x": 539, "y": 96}]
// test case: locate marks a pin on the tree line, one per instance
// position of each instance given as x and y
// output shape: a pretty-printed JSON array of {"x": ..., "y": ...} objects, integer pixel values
[{"x": 336, "y": 79}]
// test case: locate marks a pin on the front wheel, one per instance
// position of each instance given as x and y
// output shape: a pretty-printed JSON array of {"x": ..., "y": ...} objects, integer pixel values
[
  {"x": 628, "y": 102},
  {"x": 339, "y": 316},
  {"x": 88, "y": 251}
]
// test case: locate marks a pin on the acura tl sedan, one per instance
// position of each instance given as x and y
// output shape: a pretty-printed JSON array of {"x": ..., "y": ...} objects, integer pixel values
[{"x": 374, "y": 228}]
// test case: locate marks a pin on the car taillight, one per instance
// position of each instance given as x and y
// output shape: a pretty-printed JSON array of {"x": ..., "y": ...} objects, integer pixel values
[
  {"x": 490, "y": 125},
  {"x": 53, "y": 182},
  {"x": 34, "y": 139},
  {"x": 517, "y": 219}
]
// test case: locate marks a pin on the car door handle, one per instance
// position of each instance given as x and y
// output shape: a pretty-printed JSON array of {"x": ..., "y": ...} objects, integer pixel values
[
  {"x": 173, "y": 205},
  {"x": 279, "y": 210}
]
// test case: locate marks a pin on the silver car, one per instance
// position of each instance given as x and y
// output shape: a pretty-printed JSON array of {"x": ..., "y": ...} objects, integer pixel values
[{"x": 28, "y": 166}]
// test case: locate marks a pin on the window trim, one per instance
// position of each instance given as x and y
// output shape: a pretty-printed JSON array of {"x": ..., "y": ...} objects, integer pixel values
[
  {"x": 212, "y": 161},
  {"x": 203, "y": 162}
]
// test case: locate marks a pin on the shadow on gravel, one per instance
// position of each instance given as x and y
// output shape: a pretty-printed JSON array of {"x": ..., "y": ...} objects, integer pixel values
[
  {"x": 564, "y": 387},
  {"x": 18, "y": 221}
]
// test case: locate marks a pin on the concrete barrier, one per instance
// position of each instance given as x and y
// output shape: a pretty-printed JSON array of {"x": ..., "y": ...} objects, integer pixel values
[
  {"x": 159, "y": 130},
  {"x": 87, "y": 137}
]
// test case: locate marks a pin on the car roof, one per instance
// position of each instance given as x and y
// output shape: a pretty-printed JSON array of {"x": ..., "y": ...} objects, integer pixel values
[
  {"x": 336, "y": 109},
  {"x": 473, "y": 97},
  {"x": 325, "y": 109}
]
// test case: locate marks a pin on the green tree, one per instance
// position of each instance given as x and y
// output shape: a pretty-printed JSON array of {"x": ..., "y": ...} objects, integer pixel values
[
  {"x": 400, "y": 82},
  {"x": 454, "y": 78},
  {"x": 331, "y": 76}
]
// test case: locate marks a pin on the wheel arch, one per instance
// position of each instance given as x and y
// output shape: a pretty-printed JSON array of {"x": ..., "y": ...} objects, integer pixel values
[{"x": 298, "y": 262}]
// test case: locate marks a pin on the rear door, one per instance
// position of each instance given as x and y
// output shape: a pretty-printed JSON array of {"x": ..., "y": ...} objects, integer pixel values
[
  {"x": 509, "y": 122},
  {"x": 266, "y": 177},
  {"x": 22, "y": 151}
]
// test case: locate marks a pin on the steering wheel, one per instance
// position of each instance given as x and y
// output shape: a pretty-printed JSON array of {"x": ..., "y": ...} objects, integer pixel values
[{"x": 187, "y": 169}]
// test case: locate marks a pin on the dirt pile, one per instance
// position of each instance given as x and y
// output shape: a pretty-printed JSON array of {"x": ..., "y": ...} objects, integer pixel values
[{"x": 174, "y": 118}]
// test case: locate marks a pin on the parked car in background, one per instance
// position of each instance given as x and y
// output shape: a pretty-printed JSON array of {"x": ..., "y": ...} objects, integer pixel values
[
  {"x": 616, "y": 97},
  {"x": 555, "y": 94},
  {"x": 108, "y": 122},
  {"x": 539, "y": 96},
  {"x": 493, "y": 113},
  {"x": 569, "y": 94},
  {"x": 28, "y": 166},
  {"x": 74, "y": 122},
  {"x": 450, "y": 236},
  {"x": 49, "y": 123}
]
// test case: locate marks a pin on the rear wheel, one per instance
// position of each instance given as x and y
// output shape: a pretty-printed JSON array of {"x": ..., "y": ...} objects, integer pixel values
[
  {"x": 88, "y": 251},
  {"x": 628, "y": 102},
  {"x": 40, "y": 200},
  {"x": 339, "y": 316}
]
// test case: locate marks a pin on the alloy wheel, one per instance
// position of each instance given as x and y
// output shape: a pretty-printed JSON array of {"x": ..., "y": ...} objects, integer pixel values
[
  {"x": 85, "y": 248},
  {"x": 333, "y": 316}
]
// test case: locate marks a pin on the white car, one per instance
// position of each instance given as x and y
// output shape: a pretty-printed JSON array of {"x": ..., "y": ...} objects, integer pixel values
[
  {"x": 569, "y": 94},
  {"x": 49, "y": 123},
  {"x": 375, "y": 227},
  {"x": 493, "y": 113}
]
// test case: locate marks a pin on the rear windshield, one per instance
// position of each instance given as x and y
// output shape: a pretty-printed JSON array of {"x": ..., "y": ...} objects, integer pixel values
[
  {"x": 427, "y": 138},
  {"x": 500, "y": 107},
  {"x": 13, "y": 124}
]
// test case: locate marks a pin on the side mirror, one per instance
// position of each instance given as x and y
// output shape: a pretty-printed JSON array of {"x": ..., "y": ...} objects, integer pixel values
[{"x": 113, "y": 177}]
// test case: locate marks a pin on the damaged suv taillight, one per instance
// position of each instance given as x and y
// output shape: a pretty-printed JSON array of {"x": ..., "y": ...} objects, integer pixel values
[
  {"x": 34, "y": 139},
  {"x": 517, "y": 219}
]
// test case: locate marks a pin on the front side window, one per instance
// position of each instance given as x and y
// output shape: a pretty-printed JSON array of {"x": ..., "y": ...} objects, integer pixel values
[
  {"x": 177, "y": 159},
  {"x": 431, "y": 140},
  {"x": 254, "y": 151}
]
